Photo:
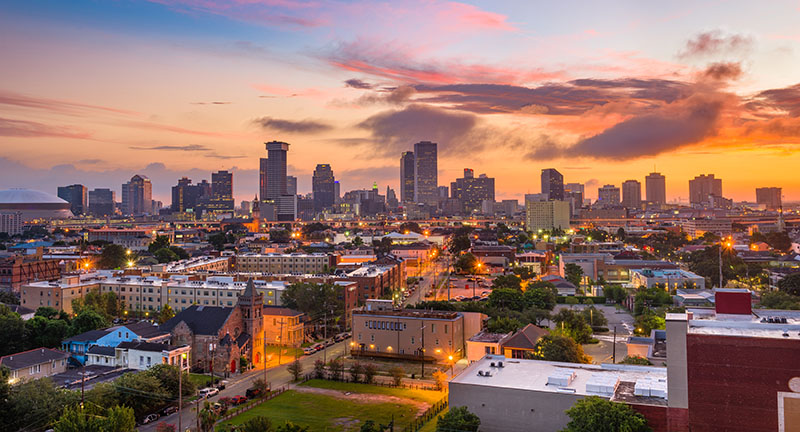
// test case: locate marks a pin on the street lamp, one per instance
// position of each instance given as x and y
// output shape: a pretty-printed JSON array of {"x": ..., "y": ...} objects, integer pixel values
[{"x": 450, "y": 358}]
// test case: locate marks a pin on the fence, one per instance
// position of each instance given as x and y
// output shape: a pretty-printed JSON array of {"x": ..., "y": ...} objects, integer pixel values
[
  {"x": 427, "y": 416},
  {"x": 248, "y": 406},
  {"x": 379, "y": 382}
]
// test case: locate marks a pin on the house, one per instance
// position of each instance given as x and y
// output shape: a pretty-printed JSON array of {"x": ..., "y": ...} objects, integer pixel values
[
  {"x": 523, "y": 341},
  {"x": 22, "y": 311},
  {"x": 485, "y": 343},
  {"x": 79, "y": 345},
  {"x": 283, "y": 326},
  {"x": 101, "y": 356},
  {"x": 144, "y": 355},
  {"x": 34, "y": 364},
  {"x": 563, "y": 286}
]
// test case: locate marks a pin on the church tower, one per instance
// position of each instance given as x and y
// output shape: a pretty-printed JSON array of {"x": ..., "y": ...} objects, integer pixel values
[{"x": 251, "y": 304}]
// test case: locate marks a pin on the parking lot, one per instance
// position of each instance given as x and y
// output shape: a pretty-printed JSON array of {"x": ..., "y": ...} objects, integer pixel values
[{"x": 466, "y": 287}]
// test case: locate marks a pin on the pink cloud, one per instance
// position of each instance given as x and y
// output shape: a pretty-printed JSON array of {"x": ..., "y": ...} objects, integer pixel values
[
  {"x": 29, "y": 129},
  {"x": 469, "y": 17},
  {"x": 57, "y": 105}
]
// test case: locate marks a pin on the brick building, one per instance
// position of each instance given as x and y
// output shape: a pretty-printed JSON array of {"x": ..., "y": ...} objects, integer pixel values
[{"x": 18, "y": 270}]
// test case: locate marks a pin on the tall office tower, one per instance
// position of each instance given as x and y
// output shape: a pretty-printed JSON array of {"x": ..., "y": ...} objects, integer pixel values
[
  {"x": 337, "y": 192},
  {"x": 244, "y": 208},
  {"x": 631, "y": 194},
  {"x": 553, "y": 184},
  {"x": 546, "y": 215},
  {"x": 574, "y": 187},
  {"x": 770, "y": 197},
  {"x": 656, "y": 188},
  {"x": 472, "y": 191},
  {"x": 608, "y": 195},
  {"x": 323, "y": 186},
  {"x": 137, "y": 196},
  {"x": 407, "y": 177},
  {"x": 182, "y": 195},
  {"x": 703, "y": 187},
  {"x": 391, "y": 199},
  {"x": 102, "y": 202},
  {"x": 291, "y": 185},
  {"x": 221, "y": 192},
  {"x": 443, "y": 192},
  {"x": 426, "y": 173},
  {"x": 77, "y": 198},
  {"x": 574, "y": 193},
  {"x": 272, "y": 172}
]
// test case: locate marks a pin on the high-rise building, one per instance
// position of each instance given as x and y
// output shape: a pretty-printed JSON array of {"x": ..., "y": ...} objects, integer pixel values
[
  {"x": 76, "y": 196},
  {"x": 553, "y": 184},
  {"x": 443, "y": 192},
  {"x": 323, "y": 186},
  {"x": 472, "y": 191},
  {"x": 191, "y": 197},
  {"x": 102, "y": 202},
  {"x": 272, "y": 173},
  {"x": 137, "y": 196},
  {"x": 770, "y": 197},
  {"x": 631, "y": 194},
  {"x": 656, "y": 188},
  {"x": 337, "y": 192},
  {"x": 291, "y": 185},
  {"x": 426, "y": 173},
  {"x": 703, "y": 187},
  {"x": 574, "y": 193},
  {"x": 391, "y": 199},
  {"x": 181, "y": 195},
  {"x": 546, "y": 215},
  {"x": 221, "y": 192},
  {"x": 608, "y": 196},
  {"x": 407, "y": 177}
]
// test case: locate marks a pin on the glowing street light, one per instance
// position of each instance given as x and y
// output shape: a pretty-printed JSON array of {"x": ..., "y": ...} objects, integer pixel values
[{"x": 130, "y": 263}]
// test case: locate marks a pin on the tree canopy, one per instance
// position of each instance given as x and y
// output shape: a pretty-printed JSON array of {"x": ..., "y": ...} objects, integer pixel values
[
  {"x": 790, "y": 284},
  {"x": 556, "y": 347},
  {"x": 595, "y": 414},
  {"x": 458, "y": 419}
]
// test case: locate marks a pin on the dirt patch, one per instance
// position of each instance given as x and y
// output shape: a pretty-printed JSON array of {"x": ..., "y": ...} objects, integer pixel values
[{"x": 366, "y": 397}]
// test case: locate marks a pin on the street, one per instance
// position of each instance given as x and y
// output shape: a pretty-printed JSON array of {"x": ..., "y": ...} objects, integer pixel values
[
  {"x": 603, "y": 351},
  {"x": 426, "y": 283},
  {"x": 277, "y": 376}
]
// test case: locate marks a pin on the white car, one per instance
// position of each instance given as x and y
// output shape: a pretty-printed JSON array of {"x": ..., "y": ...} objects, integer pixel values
[{"x": 208, "y": 392}]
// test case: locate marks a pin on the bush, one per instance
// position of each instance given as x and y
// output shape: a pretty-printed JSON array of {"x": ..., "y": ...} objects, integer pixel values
[
  {"x": 594, "y": 413},
  {"x": 582, "y": 299},
  {"x": 397, "y": 375},
  {"x": 458, "y": 419},
  {"x": 636, "y": 360}
]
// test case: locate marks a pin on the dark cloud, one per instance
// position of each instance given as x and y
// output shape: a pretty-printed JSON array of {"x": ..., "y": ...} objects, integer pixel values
[
  {"x": 291, "y": 126},
  {"x": 30, "y": 129},
  {"x": 783, "y": 100},
  {"x": 391, "y": 96},
  {"x": 397, "y": 130},
  {"x": 187, "y": 147},
  {"x": 723, "y": 71},
  {"x": 715, "y": 42},
  {"x": 358, "y": 84}
]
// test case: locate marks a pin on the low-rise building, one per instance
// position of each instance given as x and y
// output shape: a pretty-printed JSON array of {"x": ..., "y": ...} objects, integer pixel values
[
  {"x": 210, "y": 264},
  {"x": 485, "y": 343},
  {"x": 80, "y": 346},
  {"x": 18, "y": 270},
  {"x": 522, "y": 344},
  {"x": 497, "y": 255},
  {"x": 295, "y": 263},
  {"x": 283, "y": 326},
  {"x": 697, "y": 227},
  {"x": 34, "y": 364},
  {"x": 144, "y": 355},
  {"x": 130, "y": 238},
  {"x": 668, "y": 278}
]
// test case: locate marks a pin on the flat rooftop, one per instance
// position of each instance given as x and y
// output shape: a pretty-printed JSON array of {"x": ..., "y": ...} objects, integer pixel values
[
  {"x": 612, "y": 381},
  {"x": 410, "y": 313},
  {"x": 765, "y": 323}
]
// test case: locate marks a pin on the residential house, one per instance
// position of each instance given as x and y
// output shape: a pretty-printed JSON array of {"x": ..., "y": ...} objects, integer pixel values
[
  {"x": 144, "y": 331},
  {"x": 144, "y": 355},
  {"x": 34, "y": 364},
  {"x": 485, "y": 343},
  {"x": 283, "y": 326},
  {"x": 523, "y": 342}
]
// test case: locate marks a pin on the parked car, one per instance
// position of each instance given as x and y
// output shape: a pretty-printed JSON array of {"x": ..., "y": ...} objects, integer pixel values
[
  {"x": 150, "y": 418},
  {"x": 222, "y": 384},
  {"x": 208, "y": 392},
  {"x": 309, "y": 350},
  {"x": 238, "y": 399},
  {"x": 318, "y": 347},
  {"x": 253, "y": 392},
  {"x": 169, "y": 410}
]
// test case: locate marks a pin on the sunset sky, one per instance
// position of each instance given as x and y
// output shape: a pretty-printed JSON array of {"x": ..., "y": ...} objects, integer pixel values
[{"x": 93, "y": 92}]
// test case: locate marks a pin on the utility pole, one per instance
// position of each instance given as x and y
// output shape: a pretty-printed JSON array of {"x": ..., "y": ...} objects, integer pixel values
[
  {"x": 180, "y": 391},
  {"x": 83, "y": 378},
  {"x": 614, "y": 347},
  {"x": 422, "y": 350},
  {"x": 280, "y": 343},
  {"x": 720, "y": 262},
  {"x": 264, "y": 354},
  {"x": 325, "y": 337},
  {"x": 211, "y": 352}
]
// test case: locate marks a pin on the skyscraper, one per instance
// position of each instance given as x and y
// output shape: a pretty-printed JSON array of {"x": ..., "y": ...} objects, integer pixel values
[
  {"x": 770, "y": 197},
  {"x": 137, "y": 196},
  {"x": 655, "y": 188},
  {"x": 291, "y": 185},
  {"x": 608, "y": 196},
  {"x": 337, "y": 192},
  {"x": 323, "y": 187},
  {"x": 221, "y": 192},
  {"x": 553, "y": 184},
  {"x": 76, "y": 196},
  {"x": 426, "y": 173},
  {"x": 703, "y": 187},
  {"x": 272, "y": 173},
  {"x": 472, "y": 191},
  {"x": 546, "y": 215},
  {"x": 407, "y": 177},
  {"x": 181, "y": 195},
  {"x": 631, "y": 194},
  {"x": 102, "y": 202}
]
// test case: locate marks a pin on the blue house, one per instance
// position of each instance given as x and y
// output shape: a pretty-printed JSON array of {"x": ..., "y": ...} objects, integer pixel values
[{"x": 78, "y": 346}]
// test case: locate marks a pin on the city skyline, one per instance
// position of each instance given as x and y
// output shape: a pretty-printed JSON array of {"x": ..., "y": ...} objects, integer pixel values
[{"x": 713, "y": 93}]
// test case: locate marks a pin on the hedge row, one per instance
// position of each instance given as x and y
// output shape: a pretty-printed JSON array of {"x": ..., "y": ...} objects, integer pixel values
[{"x": 581, "y": 299}]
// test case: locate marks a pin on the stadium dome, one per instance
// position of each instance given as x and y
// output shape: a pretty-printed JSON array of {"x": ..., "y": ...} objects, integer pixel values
[{"x": 33, "y": 204}]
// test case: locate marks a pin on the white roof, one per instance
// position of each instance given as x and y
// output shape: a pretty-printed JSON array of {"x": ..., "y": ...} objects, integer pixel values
[{"x": 27, "y": 196}]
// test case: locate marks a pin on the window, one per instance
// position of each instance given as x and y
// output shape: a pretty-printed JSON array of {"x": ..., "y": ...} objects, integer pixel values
[
  {"x": 372, "y": 338},
  {"x": 489, "y": 349},
  {"x": 445, "y": 329},
  {"x": 359, "y": 336},
  {"x": 437, "y": 341}
]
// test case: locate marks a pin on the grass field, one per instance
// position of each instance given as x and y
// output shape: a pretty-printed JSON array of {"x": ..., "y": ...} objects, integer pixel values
[
  {"x": 201, "y": 380},
  {"x": 426, "y": 396},
  {"x": 324, "y": 413}
]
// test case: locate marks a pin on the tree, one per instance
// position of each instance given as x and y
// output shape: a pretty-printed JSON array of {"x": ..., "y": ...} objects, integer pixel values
[
  {"x": 466, "y": 263},
  {"x": 524, "y": 272},
  {"x": 503, "y": 324},
  {"x": 507, "y": 281},
  {"x": 167, "y": 375},
  {"x": 113, "y": 256},
  {"x": 208, "y": 417},
  {"x": 556, "y": 347},
  {"x": 336, "y": 369},
  {"x": 615, "y": 292},
  {"x": 257, "y": 424},
  {"x": 397, "y": 374},
  {"x": 595, "y": 414},
  {"x": 358, "y": 241},
  {"x": 779, "y": 241},
  {"x": 647, "y": 322},
  {"x": 574, "y": 325},
  {"x": 369, "y": 373},
  {"x": 541, "y": 297},
  {"x": 87, "y": 320},
  {"x": 780, "y": 300},
  {"x": 440, "y": 378},
  {"x": 165, "y": 314},
  {"x": 790, "y": 284},
  {"x": 44, "y": 332},
  {"x": 90, "y": 419},
  {"x": 131, "y": 387},
  {"x": 371, "y": 426},
  {"x": 356, "y": 370},
  {"x": 319, "y": 369},
  {"x": 12, "y": 332},
  {"x": 458, "y": 419},
  {"x": 313, "y": 298},
  {"x": 279, "y": 236},
  {"x": 160, "y": 242},
  {"x": 460, "y": 243},
  {"x": 507, "y": 298},
  {"x": 594, "y": 317},
  {"x": 291, "y": 427},
  {"x": 165, "y": 255},
  {"x": 180, "y": 252},
  {"x": 166, "y": 427},
  {"x": 411, "y": 227},
  {"x": 36, "y": 402},
  {"x": 621, "y": 234},
  {"x": 636, "y": 360},
  {"x": 8, "y": 297},
  {"x": 296, "y": 369},
  {"x": 573, "y": 273},
  {"x": 218, "y": 240}
]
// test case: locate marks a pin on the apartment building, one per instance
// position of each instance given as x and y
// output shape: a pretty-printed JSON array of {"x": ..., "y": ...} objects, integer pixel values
[{"x": 314, "y": 263}]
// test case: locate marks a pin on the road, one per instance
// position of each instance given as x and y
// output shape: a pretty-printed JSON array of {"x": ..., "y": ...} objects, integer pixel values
[
  {"x": 277, "y": 376},
  {"x": 603, "y": 352},
  {"x": 426, "y": 284}
]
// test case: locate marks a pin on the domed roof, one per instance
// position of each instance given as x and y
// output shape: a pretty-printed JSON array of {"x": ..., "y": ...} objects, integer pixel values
[{"x": 28, "y": 196}]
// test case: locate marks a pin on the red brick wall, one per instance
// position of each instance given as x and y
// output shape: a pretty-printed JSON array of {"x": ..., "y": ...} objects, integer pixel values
[
  {"x": 733, "y": 302},
  {"x": 733, "y": 381},
  {"x": 656, "y": 416}
]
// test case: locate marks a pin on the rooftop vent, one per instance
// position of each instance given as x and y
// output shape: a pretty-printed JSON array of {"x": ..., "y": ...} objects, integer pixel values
[
  {"x": 500, "y": 364},
  {"x": 602, "y": 384},
  {"x": 561, "y": 377},
  {"x": 650, "y": 387}
]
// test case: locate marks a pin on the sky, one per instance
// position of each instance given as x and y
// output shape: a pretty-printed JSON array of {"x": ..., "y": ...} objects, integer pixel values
[{"x": 95, "y": 91}]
